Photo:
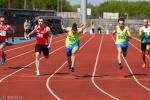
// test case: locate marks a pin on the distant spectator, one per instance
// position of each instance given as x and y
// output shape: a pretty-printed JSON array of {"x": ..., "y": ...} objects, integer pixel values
[
  {"x": 99, "y": 29},
  {"x": 29, "y": 27},
  {"x": 25, "y": 27},
  {"x": 93, "y": 27}
]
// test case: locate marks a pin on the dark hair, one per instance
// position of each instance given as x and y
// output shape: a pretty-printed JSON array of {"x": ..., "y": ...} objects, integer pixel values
[
  {"x": 74, "y": 27},
  {"x": 121, "y": 19}
]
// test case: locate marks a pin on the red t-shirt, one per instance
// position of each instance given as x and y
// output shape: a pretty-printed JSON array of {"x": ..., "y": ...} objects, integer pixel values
[
  {"x": 3, "y": 32},
  {"x": 41, "y": 35}
]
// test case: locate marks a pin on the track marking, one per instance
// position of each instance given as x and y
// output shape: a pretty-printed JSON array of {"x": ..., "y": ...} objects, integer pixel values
[
  {"x": 29, "y": 51},
  {"x": 49, "y": 78},
  {"x": 25, "y": 45},
  {"x": 148, "y": 89},
  {"x": 94, "y": 71},
  {"x": 2, "y": 79}
]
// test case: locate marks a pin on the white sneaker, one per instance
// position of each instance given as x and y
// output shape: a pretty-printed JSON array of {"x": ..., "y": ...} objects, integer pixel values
[{"x": 38, "y": 73}]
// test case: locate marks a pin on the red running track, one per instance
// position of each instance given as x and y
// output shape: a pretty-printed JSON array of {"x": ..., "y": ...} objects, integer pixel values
[{"x": 96, "y": 77}]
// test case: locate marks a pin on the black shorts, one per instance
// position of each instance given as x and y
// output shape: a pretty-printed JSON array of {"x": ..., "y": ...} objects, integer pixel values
[
  {"x": 42, "y": 48},
  {"x": 143, "y": 46}
]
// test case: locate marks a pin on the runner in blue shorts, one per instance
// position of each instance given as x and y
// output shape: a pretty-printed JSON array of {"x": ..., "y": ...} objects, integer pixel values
[
  {"x": 73, "y": 44},
  {"x": 122, "y": 38}
]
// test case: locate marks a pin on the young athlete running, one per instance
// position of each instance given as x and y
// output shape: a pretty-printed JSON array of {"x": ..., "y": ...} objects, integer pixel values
[
  {"x": 144, "y": 33},
  {"x": 43, "y": 41},
  {"x": 122, "y": 38},
  {"x": 73, "y": 43},
  {"x": 4, "y": 30}
]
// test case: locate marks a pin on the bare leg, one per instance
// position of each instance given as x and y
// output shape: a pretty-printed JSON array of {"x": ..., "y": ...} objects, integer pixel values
[
  {"x": 69, "y": 62},
  {"x": 2, "y": 55},
  {"x": 148, "y": 49},
  {"x": 37, "y": 62},
  {"x": 73, "y": 58},
  {"x": 119, "y": 57},
  {"x": 144, "y": 59}
]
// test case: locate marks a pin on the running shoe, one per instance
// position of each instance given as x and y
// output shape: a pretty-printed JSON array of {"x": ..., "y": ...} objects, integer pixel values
[
  {"x": 72, "y": 69},
  {"x": 38, "y": 73},
  {"x": 69, "y": 66},
  {"x": 120, "y": 66}
]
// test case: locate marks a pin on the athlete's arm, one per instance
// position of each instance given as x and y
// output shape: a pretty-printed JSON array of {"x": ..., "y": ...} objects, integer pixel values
[
  {"x": 48, "y": 30},
  {"x": 140, "y": 31},
  {"x": 32, "y": 32},
  {"x": 83, "y": 26},
  {"x": 128, "y": 33},
  {"x": 114, "y": 32},
  {"x": 64, "y": 29}
]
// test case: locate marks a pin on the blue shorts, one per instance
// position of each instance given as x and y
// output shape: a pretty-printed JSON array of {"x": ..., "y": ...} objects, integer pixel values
[
  {"x": 124, "y": 47},
  {"x": 70, "y": 48}
]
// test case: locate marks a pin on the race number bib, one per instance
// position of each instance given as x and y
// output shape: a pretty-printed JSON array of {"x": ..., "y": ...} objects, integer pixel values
[
  {"x": 72, "y": 39},
  {"x": 2, "y": 33},
  {"x": 40, "y": 35},
  {"x": 121, "y": 37}
]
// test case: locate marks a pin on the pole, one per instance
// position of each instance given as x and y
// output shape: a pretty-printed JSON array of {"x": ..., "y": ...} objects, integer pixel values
[
  {"x": 9, "y": 4},
  {"x": 57, "y": 5},
  {"x": 25, "y": 4},
  {"x": 83, "y": 14}
]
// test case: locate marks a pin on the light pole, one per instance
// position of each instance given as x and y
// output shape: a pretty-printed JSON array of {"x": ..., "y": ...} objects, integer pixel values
[
  {"x": 25, "y": 4},
  {"x": 9, "y": 3},
  {"x": 83, "y": 13},
  {"x": 57, "y": 5}
]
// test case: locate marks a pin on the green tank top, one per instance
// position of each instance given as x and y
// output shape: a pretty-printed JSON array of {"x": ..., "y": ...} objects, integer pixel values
[
  {"x": 120, "y": 36},
  {"x": 72, "y": 39}
]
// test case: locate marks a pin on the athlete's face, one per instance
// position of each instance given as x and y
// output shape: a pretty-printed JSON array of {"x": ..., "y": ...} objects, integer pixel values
[
  {"x": 41, "y": 22},
  {"x": 121, "y": 23},
  {"x": 2, "y": 21},
  {"x": 145, "y": 23}
]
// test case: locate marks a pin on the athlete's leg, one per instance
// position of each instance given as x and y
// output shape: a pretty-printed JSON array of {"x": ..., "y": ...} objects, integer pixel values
[
  {"x": 45, "y": 51},
  {"x": 148, "y": 49},
  {"x": 2, "y": 54},
  {"x": 69, "y": 53},
  {"x": 38, "y": 49},
  {"x": 143, "y": 49},
  {"x": 125, "y": 51},
  {"x": 73, "y": 57},
  {"x": 119, "y": 55},
  {"x": 37, "y": 62}
]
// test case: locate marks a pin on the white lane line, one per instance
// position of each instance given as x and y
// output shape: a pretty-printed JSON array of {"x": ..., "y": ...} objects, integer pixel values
[
  {"x": 49, "y": 78},
  {"x": 94, "y": 72},
  {"x": 148, "y": 89},
  {"x": 25, "y": 45},
  {"x": 30, "y": 51},
  {"x": 2, "y": 79}
]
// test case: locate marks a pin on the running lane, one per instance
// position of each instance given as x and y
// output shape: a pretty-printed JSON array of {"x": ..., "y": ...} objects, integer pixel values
[
  {"x": 22, "y": 59},
  {"x": 113, "y": 80},
  {"x": 30, "y": 87},
  {"x": 77, "y": 85},
  {"x": 142, "y": 74}
]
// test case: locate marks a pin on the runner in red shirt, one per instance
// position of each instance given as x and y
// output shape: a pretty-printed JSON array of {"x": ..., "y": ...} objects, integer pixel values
[
  {"x": 43, "y": 41},
  {"x": 4, "y": 30}
]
